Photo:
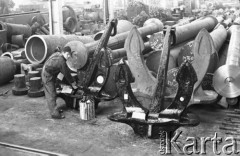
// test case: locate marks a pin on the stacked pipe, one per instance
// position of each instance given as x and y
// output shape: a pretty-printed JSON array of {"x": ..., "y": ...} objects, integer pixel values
[
  {"x": 46, "y": 44},
  {"x": 188, "y": 31},
  {"x": 181, "y": 37},
  {"x": 226, "y": 78},
  {"x": 16, "y": 34},
  {"x": 219, "y": 36},
  {"x": 39, "y": 47},
  {"x": 122, "y": 26}
]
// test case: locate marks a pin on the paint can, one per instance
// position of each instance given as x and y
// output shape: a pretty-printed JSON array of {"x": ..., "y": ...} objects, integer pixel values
[{"x": 87, "y": 108}]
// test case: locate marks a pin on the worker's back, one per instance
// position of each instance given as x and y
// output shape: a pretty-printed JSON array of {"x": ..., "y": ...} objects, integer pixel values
[{"x": 54, "y": 63}]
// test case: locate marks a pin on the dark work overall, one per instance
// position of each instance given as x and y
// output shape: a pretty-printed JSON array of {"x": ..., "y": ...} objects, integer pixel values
[{"x": 52, "y": 67}]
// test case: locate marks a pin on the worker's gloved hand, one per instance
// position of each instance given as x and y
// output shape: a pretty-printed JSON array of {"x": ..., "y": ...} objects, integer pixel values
[{"x": 74, "y": 86}]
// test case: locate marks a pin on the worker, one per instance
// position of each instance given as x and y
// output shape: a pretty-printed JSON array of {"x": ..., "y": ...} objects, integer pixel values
[{"x": 52, "y": 67}]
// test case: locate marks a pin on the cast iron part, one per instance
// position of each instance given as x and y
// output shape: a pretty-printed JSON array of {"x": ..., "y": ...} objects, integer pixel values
[
  {"x": 167, "y": 120},
  {"x": 94, "y": 75},
  {"x": 152, "y": 122}
]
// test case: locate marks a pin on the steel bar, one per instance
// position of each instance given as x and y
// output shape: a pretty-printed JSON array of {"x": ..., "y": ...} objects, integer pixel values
[{"x": 226, "y": 79}]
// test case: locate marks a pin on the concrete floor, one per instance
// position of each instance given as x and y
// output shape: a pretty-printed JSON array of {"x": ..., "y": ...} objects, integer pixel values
[{"x": 25, "y": 121}]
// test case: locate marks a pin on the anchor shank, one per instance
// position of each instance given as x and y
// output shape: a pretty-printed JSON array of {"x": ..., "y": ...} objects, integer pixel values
[{"x": 158, "y": 99}]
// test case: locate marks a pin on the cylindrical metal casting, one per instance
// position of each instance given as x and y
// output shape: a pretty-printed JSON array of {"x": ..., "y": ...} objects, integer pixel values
[
  {"x": 122, "y": 26},
  {"x": 188, "y": 31},
  {"x": 226, "y": 80},
  {"x": 219, "y": 36},
  {"x": 16, "y": 29},
  {"x": 150, "y": 26},
  {"x": 19, "y": 87},
  {"x": 19, "y": 40},
  {"x": 35, "y": 83},
  {"x": 117, "y": 54},
  {"x": 222, "y": 54},
  {"x": 36, "y": 87},
  {"x": 7, "y": 69},
  {"x": 152, "y": 62},
  {"x": 39, "y": 47}
]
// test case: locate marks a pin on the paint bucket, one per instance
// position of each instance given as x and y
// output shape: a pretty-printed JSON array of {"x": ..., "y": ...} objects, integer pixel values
[{"x": 86, "y": 108}]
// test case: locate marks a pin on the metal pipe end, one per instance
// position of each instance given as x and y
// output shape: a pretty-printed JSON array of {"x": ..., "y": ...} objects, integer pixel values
[
  {"x": 226, "y": 81},
  {"x": 7, "y": 54},
  {"x": 36, "y": 49},
  {"x": 98, "y": 35}
]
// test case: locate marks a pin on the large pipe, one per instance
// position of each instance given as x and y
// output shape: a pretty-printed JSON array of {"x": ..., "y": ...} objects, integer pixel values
[
  {"x": 19, "y": 40},
  {"x": 39, "y": 47},
  {"x": 152, "y": 61},
  {"x": 150, "y": 26},
  {"x": 7, "y": 69},
  {"x": 16, "y": 29},
  {"x": 226, "y": 79},
  {"x": 189, "y": 31},
  {"x": 223, "y": 54},
  {"x": 120, "y": 53},
  {"x": 122, "y": 26},
  {"x": 219, "y": 36}
]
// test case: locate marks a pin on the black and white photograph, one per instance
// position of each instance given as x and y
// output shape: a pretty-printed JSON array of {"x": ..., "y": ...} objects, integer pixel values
[{"x": 119, "y": 77}]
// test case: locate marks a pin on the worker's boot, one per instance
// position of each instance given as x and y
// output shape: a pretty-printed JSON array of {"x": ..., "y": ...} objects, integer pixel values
[{"x": 57, "y": 115}]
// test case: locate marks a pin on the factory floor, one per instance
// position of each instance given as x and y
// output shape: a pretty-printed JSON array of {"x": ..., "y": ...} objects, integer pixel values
[{"x": 25, "y": 121}]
